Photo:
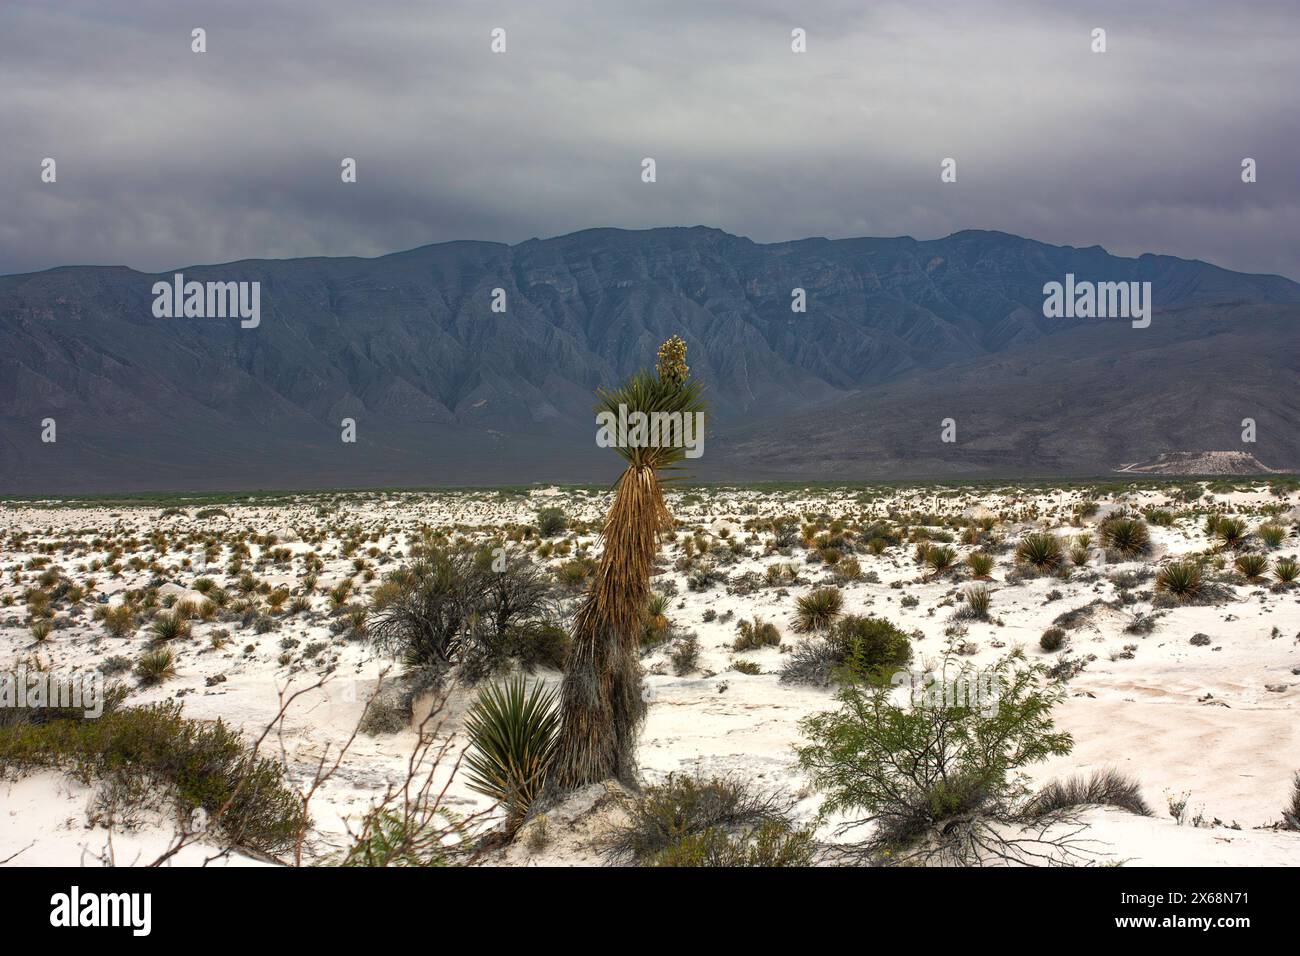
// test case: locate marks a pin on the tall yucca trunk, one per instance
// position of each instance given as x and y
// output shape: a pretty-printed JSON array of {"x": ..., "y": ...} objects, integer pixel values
[{"x": 601, "y": 703}]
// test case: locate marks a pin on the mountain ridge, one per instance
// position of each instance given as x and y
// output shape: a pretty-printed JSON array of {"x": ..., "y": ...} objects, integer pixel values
[{"x": 407, "y": 345}]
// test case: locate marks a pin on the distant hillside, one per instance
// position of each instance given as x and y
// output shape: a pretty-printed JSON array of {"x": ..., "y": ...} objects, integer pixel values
[
  {"x": 898, "y": 334},
  {"x": 1200, "y": 463}
]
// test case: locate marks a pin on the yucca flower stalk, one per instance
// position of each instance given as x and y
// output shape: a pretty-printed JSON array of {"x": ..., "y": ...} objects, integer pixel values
[{"x": 600, "y": 703}]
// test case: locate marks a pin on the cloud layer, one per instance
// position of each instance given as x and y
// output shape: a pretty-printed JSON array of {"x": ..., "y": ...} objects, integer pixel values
[{"x": 167, "y": 157}]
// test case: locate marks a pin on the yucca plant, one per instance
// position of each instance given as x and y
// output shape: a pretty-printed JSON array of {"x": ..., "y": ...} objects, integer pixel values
[
  {"x": 816, "y": 610},
  {"x": 155, "y": 666},
  {"x": 1285, "y": 570},
  {"x": 1128, "y": 536},
  {"x": 940, "y": 558},
  {"x": 169, "y": 627},
  {"x": 1231, "y": 532},
  {"x": 601, "y": 707},
  {"x": 1041, "y": 550},
  {"x": 977, "y": 601},
  {"x": 1271, "y": 534},
  {"x": 512, "y": 737},
  {"x": 1252, "y": 566},
  {"x": 1181, "y": 579},
  {"x": 981, "y": 563}
]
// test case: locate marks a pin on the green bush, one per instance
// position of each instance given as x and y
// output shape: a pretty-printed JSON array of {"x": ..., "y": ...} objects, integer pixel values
[
  {"x": 933, "y": 779},
  {"x": 551, "y": 521},
  {"x": 201, "y": 765}
]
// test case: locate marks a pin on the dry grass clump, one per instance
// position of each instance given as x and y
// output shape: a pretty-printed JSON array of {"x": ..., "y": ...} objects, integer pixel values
[{"x": 1107, "y": 788}]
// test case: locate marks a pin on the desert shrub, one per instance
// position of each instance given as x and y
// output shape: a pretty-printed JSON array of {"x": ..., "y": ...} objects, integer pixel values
[
  {"x": 42, "y": 628},
  {"x": 1181, "y": 579},
  {"x": 1291, "y": 813},
  {"x": 742, "y": 666},
  {"x": 1052, "y": 640},
  {"x": 816, "y": 610},
  {"x": 703, "y": 577},
  {"x": 551, "y": 521},
  {"x": 512, "y": 736},
  {"x": 156, "y": 666},
  {"x": 779, "y": 574},
  {"x": 770, "y": 844},
  {"x": 1285, "y": 570},
  {"x": 457, "y": 605},
  {"x": 685, "y": 655},
  {"x": 975, "y": 604},
  {"x": 1105, "y": 788},
  {"x": 1252, "y": 566},
  {"x": 200, "y": 764},
  {"x": 848, "y": 569},
  {"x": 980, "y": 563},
  {"x": 1040, "y": 550},
  {"x": 118, "y": 619},
  {"x": 1160, "y": 517},
  {"x": 1128, "y": 536},
  {"x": 663, "y": 815},
  {"x": 755, "y": 634},
  {"x": 855, "y": 648},
  {"x": 934, "y": 779}
]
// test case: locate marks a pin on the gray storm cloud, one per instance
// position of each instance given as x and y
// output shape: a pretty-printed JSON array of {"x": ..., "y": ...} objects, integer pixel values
[{"x": 168, "y": 158}]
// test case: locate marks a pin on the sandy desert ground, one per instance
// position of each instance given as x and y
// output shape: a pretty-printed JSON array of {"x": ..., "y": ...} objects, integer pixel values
[{"x": 1196, "y": 700}]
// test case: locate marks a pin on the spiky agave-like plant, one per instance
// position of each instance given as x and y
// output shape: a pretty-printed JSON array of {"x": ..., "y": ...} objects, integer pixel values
[{"x": 601, "y": 708}]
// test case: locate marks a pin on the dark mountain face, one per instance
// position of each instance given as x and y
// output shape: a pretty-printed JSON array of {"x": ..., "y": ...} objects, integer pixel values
[{"x": 445, "y": 390}]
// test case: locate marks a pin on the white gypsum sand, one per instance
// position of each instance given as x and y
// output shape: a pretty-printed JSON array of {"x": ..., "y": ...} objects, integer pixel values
[{"x": 1211, "y": 721}]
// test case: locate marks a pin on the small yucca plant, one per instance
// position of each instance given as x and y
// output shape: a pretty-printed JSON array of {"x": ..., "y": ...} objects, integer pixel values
[
  {"x": 1231, "y": 532},
  {"x": 169, "y": 627},
  {"x": 1286, "y": 570},
  {"x": 940, "y": 559},
  {"x": 1181, "y": 579},
  {"x": 1252, "y": 566},
  {"x": 1041, "y": 550},
  {"x": 1271, "y": 534},
  {"x": 1128, "y": 536},
  {"x": 978, "y": 600},
  {"x": 512, "y": 733},
  {"x": 41, "y": 629},
  {"x": 981, "y": 564},
  {"x": 816, "y": 610},
  {"x": 155, "y": 666}
]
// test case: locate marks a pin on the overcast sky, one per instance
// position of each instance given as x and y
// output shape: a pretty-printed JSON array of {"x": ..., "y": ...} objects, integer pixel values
[{"x": 168, "y": 158}]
